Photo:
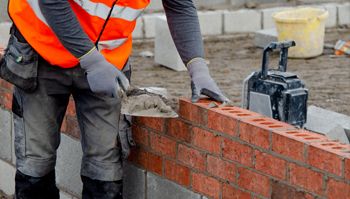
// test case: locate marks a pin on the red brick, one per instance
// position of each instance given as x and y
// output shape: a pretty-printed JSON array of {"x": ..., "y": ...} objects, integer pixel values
[
  {"x": 140, "y": 135},
  {"x": 132, "y": 156},
  {"x": 221, "y": 168},
  {"x": 163, "y": 145},
  {"x": 253, "y": 181},
  {"x": 206, "y": 140},
  {"x": 155, "y": 123},
  {"x": 150, "y": 161},
  {"x": 347, "y": 168},
  {"x": 222, "y": 123},
  {"x": 6, "y": 85},
  {"x": 305, "y": 178},
  {"x": 323, "y": 158},
  {"x": 271, "y": 165},
  {"x": 309, "y": 196},
  {"x": 337, "y": 189},
  {"x": 192, "y": 112},
  {"x": 237, "y": 152},
  {"x": 8, "y": 100},
  {"x": 134, "y": 118},
  {"x": 71, "y": 108},
  {"x": 73, "y": 127},
  {"x": 178, "y": 129},
  {"x": 64, "y": 124},
  {"x": 177, "y": 173},
  {"x": 302, "y": 135},
  {"x": 236, "y": 112},
  {"x": 191, "y": 157},
  {"x": 229, "y": 192},
  {"x": 204, "y": 101},
  {"x": 283, "y": 191},
  {"x": 255, "y": 197},
  {"x": 206, "y": 185},
  {"x": 268, "y": 123},
  {"x": 288, "y": 147},
  {"x": 2, "y": 97},
  {"x": 254, "y": 135},
  {"x": 256, "y": 130}
]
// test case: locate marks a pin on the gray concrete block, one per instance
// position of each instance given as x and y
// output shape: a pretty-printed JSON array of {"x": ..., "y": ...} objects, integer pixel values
[
  {"x": 319, "y": 1},
  {"x": 138, "y": 31},
  {"x": 149, "y": 22},
  {"x": 242, "y": 21},
  {"x": 68, "y": 164},
  {"x": 267, "y": 20},
  {"x": 263, "y": 37},
  {"x": 324, "y": 121},
  {"x": 134, "y": 182},
  {"x": 7, "y": 178},
  {"x": 331, "y": 20},
  {"x": 4, "y": 32},
  {"x": 210, "y": 22},
  {"x": 165, "y": 52},
  {"x": 65, "y": 195},
  {"x": 199, "y": 3},
  {"x": 3, "y": 11},
  {"x": 338, "y": 133},
  {"x": 241, "y": 2},
  {"x": 5, "y": 135},
  {"x": 160, "y": 188},
  {"x": 155, "y": 5},
  {"x": 12, "y": 143},
  {"x": 344, "y": 14}
]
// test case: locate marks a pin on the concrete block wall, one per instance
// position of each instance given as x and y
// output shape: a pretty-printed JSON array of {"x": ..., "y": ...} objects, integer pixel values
[
  {"x": 218, "y": 153},
  {"x": 220, "y": 22}
]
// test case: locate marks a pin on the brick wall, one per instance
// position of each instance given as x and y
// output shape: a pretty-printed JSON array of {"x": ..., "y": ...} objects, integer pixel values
[
  {"x": 227, "y": 153},
  {"x": 235, "y": 153}
]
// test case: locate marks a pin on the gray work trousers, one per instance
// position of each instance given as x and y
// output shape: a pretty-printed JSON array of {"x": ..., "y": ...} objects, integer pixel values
[{"x": 38, "y": 118}]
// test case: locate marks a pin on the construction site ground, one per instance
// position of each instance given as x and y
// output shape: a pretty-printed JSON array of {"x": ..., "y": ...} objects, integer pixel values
[{"x": 233, "y": 57}]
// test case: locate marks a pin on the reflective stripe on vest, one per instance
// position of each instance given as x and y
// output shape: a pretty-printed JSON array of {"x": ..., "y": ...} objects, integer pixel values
[
  {"x": 101, "y": 10},
  {"x": 115, "y": 42}
]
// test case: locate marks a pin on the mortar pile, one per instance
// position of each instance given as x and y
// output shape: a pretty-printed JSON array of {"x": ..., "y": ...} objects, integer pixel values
[{"x": 139, "y": 102}]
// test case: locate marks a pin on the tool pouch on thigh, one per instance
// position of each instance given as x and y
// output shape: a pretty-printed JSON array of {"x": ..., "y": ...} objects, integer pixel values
[{"x": 19, "y": 65}]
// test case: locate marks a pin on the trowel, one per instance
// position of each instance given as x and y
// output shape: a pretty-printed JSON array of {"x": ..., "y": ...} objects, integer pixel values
[{"x": 146, "y": 105}]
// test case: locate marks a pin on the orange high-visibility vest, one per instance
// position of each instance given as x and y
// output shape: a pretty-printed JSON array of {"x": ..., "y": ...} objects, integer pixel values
[{"x": 115, "y": 42}]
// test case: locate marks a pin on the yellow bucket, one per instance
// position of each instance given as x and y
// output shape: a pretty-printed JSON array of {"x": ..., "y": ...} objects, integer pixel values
[{"x": 305, "y": 26}]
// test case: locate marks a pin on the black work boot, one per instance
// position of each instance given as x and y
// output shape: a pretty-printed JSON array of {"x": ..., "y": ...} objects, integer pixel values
[
  {"x": 96, "y": 189},
  {"x": 28, "y": 187}
]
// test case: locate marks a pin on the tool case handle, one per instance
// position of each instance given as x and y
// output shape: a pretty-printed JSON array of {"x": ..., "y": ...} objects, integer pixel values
[{"x": 282, "y": 66}]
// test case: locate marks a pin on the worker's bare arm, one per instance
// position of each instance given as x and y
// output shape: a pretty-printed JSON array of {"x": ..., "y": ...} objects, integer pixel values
[{"x": 64, "y": 23}]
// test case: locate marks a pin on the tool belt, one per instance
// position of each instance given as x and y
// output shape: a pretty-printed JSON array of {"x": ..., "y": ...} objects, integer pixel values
[{"x": 19, "y": 65}]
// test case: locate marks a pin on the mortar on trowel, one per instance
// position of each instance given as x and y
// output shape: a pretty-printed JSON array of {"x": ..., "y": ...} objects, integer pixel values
[{"x": 145, "y": 103}]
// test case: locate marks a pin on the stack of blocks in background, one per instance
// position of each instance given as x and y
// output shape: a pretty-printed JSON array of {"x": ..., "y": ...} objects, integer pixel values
[{"x": 205, "y": 153}]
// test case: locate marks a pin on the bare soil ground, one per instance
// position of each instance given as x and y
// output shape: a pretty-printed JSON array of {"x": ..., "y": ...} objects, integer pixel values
[{"x": 233, "y": 58}]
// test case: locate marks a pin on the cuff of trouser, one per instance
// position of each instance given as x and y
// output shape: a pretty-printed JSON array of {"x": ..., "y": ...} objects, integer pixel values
[
  {"x": 35, "y": 168},
  {"x": 111, "y": 171}
]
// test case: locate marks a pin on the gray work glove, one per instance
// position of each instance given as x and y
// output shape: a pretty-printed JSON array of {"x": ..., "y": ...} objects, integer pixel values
[
  {"x": 125, "y": 135},
  {"x": 202, "y": 83},
  {"x": 103, "y": 77}
]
